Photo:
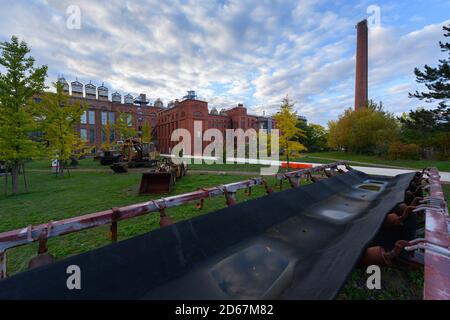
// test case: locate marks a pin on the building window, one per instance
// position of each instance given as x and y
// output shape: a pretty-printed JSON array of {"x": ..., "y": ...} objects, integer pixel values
[
  {"x": 111, "y": 117},
  {"x": 104, "y": 117},
  {"x": 197, "y": 114},
  {"x": 83, "y": 134},
  {"x": 129, "y": 119},
  {"x": 92, "y": 135},
  {"x": 91, "y": 117},
  {"x": 83, "y": 118}
]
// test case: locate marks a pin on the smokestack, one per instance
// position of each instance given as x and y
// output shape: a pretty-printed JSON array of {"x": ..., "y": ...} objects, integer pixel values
[{"x": 361, "y": 83}]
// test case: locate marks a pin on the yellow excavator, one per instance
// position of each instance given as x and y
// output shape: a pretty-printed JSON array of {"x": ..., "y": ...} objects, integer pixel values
[{"x": 136, "y": 154}]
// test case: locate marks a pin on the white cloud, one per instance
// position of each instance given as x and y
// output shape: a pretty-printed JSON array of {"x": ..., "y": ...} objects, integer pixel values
[{"x": 234, "y": 51}]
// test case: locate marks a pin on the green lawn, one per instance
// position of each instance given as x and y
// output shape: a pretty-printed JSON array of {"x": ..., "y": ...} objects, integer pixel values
[
  {"x": 56, "y": 198},
  {"x": 92, "y": 188},
  {"x": 326, "y": 157}
]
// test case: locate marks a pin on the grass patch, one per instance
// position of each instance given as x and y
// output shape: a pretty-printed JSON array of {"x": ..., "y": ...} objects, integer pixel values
[
  {"x": 398, "y": 283},
  {"x": 55, "y": 198}
]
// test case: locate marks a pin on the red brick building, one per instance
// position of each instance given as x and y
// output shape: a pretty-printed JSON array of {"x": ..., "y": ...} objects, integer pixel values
[
  {"x": 102, "y": 111},
  {"x": 183, "y": 114},
  {"x": 162, "y": 121}
]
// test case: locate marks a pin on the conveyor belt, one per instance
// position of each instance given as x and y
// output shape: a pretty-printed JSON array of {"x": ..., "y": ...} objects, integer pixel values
[{"x": 300, "y": 243}]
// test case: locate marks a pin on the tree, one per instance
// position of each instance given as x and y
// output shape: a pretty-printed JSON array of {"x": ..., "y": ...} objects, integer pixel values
[
  {"x": 107, "y": 130},
  {"x": 437, "y": 81},
  {"x": 366, "y": 130},
  {"x": 58, "y": 119},
  {"x": 19, "y": 85},
  {"x": 124, "y": 126},
  {"x": 315, "y": 136},
  {"x": 286, "y": 120},
  {"x": 146, "y": 135}
]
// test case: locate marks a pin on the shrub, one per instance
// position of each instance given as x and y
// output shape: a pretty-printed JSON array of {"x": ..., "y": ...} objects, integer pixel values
[{"x": 398, "y": 150}]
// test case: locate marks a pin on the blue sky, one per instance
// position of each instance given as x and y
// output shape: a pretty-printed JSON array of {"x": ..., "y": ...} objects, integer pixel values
[{"x": 253, "y": 52}]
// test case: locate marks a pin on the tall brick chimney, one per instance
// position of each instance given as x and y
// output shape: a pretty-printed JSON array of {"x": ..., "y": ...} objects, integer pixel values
[{"x": 361, "y": 85}]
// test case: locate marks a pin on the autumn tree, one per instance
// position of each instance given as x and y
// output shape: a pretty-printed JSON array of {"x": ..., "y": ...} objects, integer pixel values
[
  {"x": 59, "y": 117},
  {"x": 367, "y": 130},
  {"x": 146, "y": 134},
  {"x": 20, "y": 82},
  {"x": 286, "y": 120},
  {"x": 107, "y": 130},
  {"x": 124, "y": 126}
]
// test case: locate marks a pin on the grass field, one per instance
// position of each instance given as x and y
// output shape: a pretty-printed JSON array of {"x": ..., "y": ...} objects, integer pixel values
[
  {"x": 92, "y": 188},
  {"x": 56, "y": 198}
]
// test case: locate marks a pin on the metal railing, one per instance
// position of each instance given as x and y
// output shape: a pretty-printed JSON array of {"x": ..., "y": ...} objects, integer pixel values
[{"x": 43, "y": 232}]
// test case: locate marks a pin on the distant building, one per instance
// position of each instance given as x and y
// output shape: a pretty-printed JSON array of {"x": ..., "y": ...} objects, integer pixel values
[
  {"x": 102, "y": 111},
  {"x": 162, "y": 121},
  {"x": 184, "y": 113},
  {"x": 302, "y": 119}
]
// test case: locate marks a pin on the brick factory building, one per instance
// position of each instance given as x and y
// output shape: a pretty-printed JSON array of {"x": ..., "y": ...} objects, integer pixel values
[{"x": 162, "y": 120}]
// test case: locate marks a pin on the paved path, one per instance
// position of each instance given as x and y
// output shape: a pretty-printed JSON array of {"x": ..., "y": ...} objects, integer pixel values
[{"x": 367, "y": 164}]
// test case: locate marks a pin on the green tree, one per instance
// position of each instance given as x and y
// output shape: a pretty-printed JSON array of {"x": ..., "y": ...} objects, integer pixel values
[
  {"x": 286, "y": 121},
  {"x": 315, "y": 136},
  {"x": 58, "y": 119},
  {"x": 146, "y": 135},
  {"x": 366, "y": 130},
  {"x": 20, "y": 83},
  {"x": 107, "y": 134},
  {"x": 437, "y": 81},
  {"x": 124, "y": 126}
]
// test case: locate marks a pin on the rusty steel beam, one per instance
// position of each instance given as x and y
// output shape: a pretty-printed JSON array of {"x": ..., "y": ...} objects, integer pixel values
[
  {"x": 302, "y": 172},
  {"x": 29, "y": 234},
  {"x": 437, "y": 266}
]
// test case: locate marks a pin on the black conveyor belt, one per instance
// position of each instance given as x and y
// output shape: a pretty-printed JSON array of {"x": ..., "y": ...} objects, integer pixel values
[{"x": 301, "y": 243}]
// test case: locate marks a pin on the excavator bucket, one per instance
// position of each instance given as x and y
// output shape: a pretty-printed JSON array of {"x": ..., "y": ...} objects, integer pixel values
[
  {"x": 119, "y": 168},
  {"x": 157, "y": 182}
]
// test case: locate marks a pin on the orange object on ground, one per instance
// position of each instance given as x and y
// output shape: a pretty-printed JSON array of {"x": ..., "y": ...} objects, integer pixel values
[{"x": 295, "y": 165}]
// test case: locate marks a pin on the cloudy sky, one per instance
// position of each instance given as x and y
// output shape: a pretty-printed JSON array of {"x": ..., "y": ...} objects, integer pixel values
[{"x": 254, "y": 52}]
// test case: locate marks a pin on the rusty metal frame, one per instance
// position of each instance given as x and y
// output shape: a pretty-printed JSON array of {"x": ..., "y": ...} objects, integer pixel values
[
  {"x": 30, "y": 234},
  {"x": 437, "y": 233}
]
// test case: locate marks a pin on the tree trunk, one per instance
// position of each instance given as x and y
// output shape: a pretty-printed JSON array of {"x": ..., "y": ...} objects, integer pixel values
[
  {"x": 14, "y": 177},
  {"x": 24, "y": 177},
  {"x": 6, "y": 181},
  {"x": 287, "y": 155}
]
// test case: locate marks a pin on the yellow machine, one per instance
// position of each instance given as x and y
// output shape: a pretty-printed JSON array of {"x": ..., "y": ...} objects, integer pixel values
[{"x": 136, "y": 154}]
